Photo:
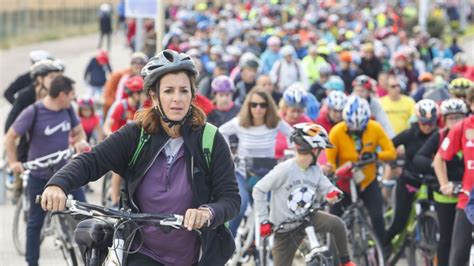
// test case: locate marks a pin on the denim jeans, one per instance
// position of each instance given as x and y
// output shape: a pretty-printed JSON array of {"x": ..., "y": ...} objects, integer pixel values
[
  {"x": 36, "y": 217},
  {"x": 245, "y": 198}
]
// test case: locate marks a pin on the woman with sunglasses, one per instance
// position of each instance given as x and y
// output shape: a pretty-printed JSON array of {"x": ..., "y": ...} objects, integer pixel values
[
  {"x": 412, "y": 140},
  {"x": 452, "y": 111},
  {"x": 256, "y": 127}
]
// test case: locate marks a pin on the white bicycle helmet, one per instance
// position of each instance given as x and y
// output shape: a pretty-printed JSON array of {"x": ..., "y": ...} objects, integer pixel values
[
  {"x": 249, "y": 59},
  {"x": 295, "y": 95},
  {"x": 38, "y": 55},
  {"x": 336, "y": 100},
  {"x": 43, "y": 68},
  {"x": 356, "y": 113},
  {"x": 453, "y": 106},
  {"x": 325, "y": 69},
  {"x": 426, "y": 111},
  {"x": 310, "y": 136}
]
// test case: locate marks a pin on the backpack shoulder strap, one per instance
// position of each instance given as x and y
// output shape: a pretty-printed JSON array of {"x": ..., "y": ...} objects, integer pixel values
[
  {"x": 35, "y": 117},
  {"x": 208, "y": 136},
  {"x": 143, "y": 139}
]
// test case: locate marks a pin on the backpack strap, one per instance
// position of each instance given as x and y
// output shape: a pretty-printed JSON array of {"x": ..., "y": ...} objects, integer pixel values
[
  {"x": 144, "y": 137},
  {"x": 33, "y": 123},
  {"x": 208, "y": 136}
]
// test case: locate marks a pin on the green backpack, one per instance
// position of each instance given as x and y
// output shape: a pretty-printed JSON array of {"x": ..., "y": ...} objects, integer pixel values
[{"x": 207, "y": 144}]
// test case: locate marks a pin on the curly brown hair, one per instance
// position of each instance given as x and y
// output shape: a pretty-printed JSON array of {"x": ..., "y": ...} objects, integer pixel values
[{"x": 271, "y": 115}]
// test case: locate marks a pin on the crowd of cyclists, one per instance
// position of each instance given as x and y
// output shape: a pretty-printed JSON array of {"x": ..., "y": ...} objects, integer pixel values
[{"x": 335, "y": 82}]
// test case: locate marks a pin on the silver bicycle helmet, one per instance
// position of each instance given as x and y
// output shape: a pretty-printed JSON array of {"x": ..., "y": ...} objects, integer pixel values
[
  {"x": 166, "y": 62},
  {"x": 43, "y": 68}
]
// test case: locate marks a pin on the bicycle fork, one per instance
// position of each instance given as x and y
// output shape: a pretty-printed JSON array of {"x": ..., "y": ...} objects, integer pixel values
[{"x": 315, "y": 245}]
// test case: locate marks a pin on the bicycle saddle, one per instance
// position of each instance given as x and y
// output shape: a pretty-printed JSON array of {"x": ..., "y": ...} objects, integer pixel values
[{"x": 94, "y": 233}]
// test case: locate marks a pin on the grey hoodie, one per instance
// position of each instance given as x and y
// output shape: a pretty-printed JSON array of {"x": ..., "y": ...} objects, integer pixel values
[{"x": 286, "y": 182}]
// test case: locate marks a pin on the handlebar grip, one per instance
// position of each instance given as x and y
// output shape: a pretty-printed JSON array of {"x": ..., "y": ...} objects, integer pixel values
[{"x": 38, "y": 199}]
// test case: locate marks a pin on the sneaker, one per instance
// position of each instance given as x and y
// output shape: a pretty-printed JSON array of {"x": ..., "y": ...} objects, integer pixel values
[{"x": 350, "y": 263}]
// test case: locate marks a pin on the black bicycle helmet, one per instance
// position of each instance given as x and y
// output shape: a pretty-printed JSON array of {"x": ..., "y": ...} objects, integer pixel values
[
  {"x": 43, "y": 68},
  {"x": 166, "y": 62}
]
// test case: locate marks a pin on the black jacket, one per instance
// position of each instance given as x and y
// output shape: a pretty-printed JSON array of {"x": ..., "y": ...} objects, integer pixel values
[
  {"x": 413, "y": 139},
  {"x": 20, "y": 82},
  {"x": 96, "y": 74},
  {"x": 424, "y": 158},
  {"x": 26, "y": 97},
  {"x": 215, "y": 187}
]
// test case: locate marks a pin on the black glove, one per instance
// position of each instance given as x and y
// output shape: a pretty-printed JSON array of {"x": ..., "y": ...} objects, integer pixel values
[{"x": 368, "y": 156}]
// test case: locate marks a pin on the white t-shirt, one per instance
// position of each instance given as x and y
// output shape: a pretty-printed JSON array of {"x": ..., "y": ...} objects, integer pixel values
[{"x": 172, "y": 148}]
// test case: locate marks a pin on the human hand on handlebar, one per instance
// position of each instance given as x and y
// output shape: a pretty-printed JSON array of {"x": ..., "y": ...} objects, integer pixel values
[
  {"x": 82, "y": 146},
  {"x": 447, "y": 189},
  {"x": 266, "y": 228},
  {"x": 196, "y": 218},
  {"x": 368, "y": 156},
  {"x": 334, "y": 196},
  {"x": 16, "y": 167},
  {"x": 53, "y": 199}
]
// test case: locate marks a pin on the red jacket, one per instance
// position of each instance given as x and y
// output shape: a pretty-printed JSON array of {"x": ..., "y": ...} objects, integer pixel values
[{"x": 465, "y": 71}]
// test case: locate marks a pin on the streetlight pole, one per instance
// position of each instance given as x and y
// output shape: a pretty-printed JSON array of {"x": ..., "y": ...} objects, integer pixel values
[{"x": 160, "y": 24}]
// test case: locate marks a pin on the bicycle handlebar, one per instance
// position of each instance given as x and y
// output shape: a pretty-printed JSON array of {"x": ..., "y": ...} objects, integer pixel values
[
  {"x": 302, "y": 218},
  {"x": 48, "y": 160},
  {"x": 91, "y": 210}
]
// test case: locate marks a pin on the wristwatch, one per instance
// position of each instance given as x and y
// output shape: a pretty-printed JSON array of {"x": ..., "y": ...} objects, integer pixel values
[{"x": 211, "y": 214}]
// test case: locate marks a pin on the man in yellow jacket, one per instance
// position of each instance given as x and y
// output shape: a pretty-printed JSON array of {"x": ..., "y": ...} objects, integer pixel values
[{"x": 357, "y": 138}]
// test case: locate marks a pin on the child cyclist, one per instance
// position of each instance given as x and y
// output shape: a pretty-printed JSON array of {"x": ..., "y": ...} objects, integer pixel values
[{"x": 292, "y": 175}]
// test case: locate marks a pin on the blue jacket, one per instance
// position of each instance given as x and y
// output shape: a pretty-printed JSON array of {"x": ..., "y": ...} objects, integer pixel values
[{"x": 95, "y": 74}]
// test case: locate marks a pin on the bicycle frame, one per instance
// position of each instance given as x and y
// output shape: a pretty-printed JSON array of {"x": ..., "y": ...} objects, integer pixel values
[{"x": 91, "y": 210}]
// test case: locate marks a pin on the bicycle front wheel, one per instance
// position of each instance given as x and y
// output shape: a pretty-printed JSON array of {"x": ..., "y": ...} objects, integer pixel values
[
  {"x": 364, "y": 244},
  {"x": 20, "y": 219},
  {"x": 425, "y": 244}
]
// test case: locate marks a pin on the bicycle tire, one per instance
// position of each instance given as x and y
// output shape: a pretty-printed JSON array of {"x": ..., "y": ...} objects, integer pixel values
[
  {"x": 367, "y": 249},
  {"x": 265, "y": 253},
  {"x": 18, "y": 217},
  {"x": 68, "y": 247},
  {"x": 426, "y": 241}
]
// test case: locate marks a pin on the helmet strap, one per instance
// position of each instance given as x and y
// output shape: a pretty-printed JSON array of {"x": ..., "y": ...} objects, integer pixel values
[{"x": 171, "y": 123}]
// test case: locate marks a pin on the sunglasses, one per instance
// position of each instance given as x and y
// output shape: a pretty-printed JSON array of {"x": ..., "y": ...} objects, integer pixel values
[{"x": 262, "y": 105}]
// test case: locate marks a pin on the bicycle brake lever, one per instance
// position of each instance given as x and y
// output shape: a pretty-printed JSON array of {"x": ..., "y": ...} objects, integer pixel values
[
  {"x": 175, "y": 222},
  {"x": 74, "y": 210}
]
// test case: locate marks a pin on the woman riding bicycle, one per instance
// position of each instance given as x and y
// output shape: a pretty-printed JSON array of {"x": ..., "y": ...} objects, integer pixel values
[
  {"x": 453, "y": 111},
  {"x": 256, "y": 127},
  {"x": 169, "y": 175},
  {"x": 412, "y": 139},
  {"x": 289, "y": 178},
  {"x": 360, "y": 138}
]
